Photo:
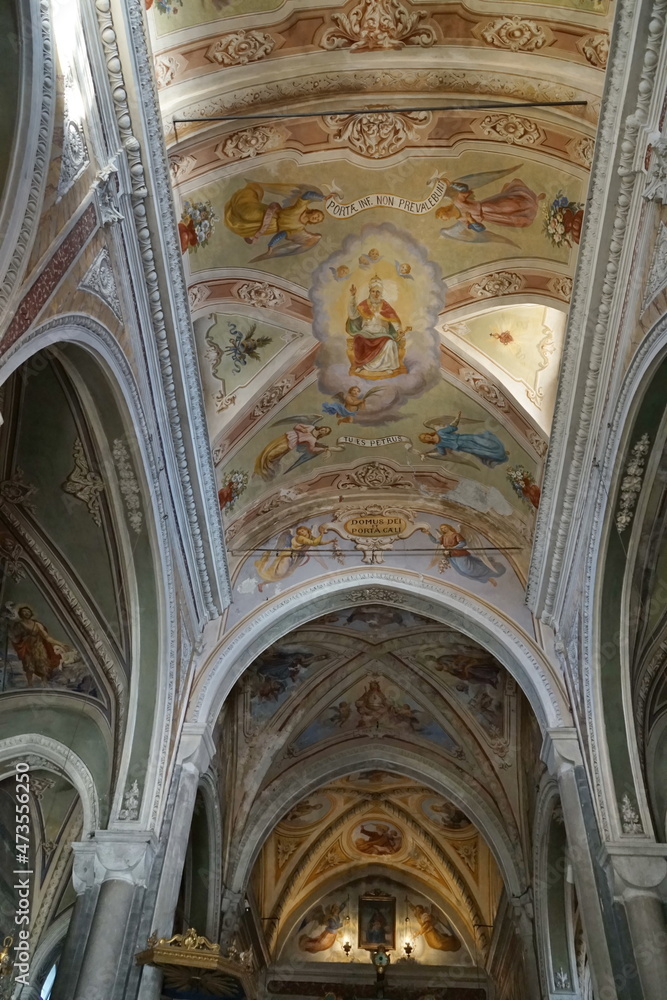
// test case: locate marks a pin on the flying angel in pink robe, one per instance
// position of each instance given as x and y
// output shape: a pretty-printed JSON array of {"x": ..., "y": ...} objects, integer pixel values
[{"x": 466, "y": 217}]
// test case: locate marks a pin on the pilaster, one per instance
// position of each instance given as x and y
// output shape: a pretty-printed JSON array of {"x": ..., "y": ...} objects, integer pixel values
[{"x": 605, "y": 940}]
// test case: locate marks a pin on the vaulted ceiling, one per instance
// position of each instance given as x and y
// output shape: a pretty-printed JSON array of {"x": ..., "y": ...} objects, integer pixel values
[
  {"x": 318, "y": 171},
  {"x": 380, "y": 206},
  {"x": 442, "y": 829}
]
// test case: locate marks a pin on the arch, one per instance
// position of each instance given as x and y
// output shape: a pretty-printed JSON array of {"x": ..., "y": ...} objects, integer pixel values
[
  {"x": 538, "y": 679},
  {"x": 644, "y": 366},
  {"x": 268, "y": 810},
  {"x": 55, "y": 756},
  {"x": 94, "y": 338}
]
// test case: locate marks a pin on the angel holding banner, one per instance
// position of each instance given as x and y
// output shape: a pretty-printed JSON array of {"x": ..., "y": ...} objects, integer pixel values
[
  {"x": 303, "y": 438},
  {"x": 465, "y": 553},
  {"x": 280, "y": 211},
  {"x": 466, "y": 217},
  {"x": 444, "y": 434},
  {"x": 291, "y": 552}
]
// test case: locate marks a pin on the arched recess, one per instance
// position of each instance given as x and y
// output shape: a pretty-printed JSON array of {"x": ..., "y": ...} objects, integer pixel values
[
  {"x": 106, "y": 391},
  {"x": 527, "y": 664},
  {"x": 48, "y": 951},
  {"x": 270, "y": 807},
  {"x": 211, "y": 802},
  {"x": 28, "y": 154},
  {"x": 553, "y": 895},
  {"x": 199, "y": 897},
  {"x": 629, "y": 468}
]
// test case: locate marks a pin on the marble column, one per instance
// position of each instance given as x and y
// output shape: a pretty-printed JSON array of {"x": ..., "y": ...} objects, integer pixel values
[
  {"x": 109, "y": 870},
  {"x": 196, "y": 749},
  {"x": 640, "y": 884},
  {"x": 562, "y": 755}
]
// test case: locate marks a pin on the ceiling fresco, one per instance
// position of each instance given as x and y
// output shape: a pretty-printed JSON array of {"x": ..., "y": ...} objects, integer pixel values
[{"x": 379, "y": 285}]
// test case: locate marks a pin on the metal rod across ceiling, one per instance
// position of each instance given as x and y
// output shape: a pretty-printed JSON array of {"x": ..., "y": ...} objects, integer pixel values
[{"x": 276, "y": 115}]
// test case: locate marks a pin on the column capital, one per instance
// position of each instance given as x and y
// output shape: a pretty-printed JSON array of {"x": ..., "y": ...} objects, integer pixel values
[
  {"x": 561, "y": 751},
  {"x": 125, "y": 856},
  {"x": 196, "y": 747},
  {"x": 637, "y": 869}
]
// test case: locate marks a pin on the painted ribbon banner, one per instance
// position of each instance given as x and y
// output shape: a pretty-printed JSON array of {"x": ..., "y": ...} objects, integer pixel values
[
  {"x": 339, "y": 210},
  {"x": 375, "y": 442}
]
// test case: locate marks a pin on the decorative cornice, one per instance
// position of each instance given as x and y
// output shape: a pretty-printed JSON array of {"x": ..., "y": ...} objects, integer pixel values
[
  {"x": 37, "y": 145},
  {"x": 178, "y": 291}
]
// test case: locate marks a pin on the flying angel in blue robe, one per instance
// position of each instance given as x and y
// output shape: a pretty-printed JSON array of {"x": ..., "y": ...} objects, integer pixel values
[{"x": 449, "y": 442}]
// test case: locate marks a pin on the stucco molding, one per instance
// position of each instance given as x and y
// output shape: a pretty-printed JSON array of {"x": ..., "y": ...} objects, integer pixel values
[
  {"x": 619, "y": 433},
  {"x": 599, "y": 284},
  {"x": 24, "y": 192},
  {"x": 178, "y": 304},
  {"x": 272, "y": 805}
]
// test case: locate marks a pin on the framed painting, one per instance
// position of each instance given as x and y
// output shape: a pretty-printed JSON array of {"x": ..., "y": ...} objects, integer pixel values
[{"x": 377, "y": 921}]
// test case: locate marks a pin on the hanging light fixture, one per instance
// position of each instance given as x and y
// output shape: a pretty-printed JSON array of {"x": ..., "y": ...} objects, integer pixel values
[{"x": 408, "y": 946}]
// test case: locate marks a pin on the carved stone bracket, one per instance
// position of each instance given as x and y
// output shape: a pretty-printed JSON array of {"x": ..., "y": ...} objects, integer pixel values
[{"x": 107, "y": 192}]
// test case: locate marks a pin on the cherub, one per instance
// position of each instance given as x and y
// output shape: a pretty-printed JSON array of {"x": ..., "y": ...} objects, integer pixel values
[
  {"x": 340, "y": 714},
  {"x": 347, "y": 404},
  {"x": 340, "y": 273},
  {"x": 403, "y": 270},
  {"x": 368, "y": 259}
]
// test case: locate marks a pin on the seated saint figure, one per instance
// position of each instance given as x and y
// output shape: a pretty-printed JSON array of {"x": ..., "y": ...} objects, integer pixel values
[{"x": 376, "y": 338}]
